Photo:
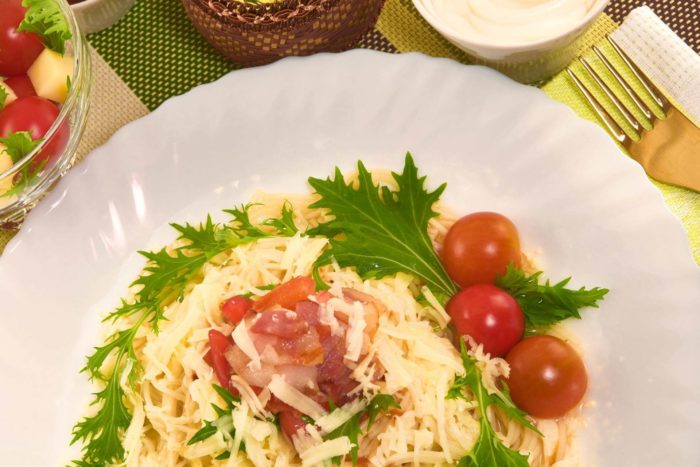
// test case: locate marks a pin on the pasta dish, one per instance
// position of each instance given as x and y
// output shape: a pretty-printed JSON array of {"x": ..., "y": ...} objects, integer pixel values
[{"x": 340, "y": 327}]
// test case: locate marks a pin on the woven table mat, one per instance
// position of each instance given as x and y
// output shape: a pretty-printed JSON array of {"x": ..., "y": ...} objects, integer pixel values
[{"x": 154, "y": 53}]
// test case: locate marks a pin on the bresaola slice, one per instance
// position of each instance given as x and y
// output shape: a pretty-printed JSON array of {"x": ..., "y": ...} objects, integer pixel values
[
  {"x": 281, "y": 323},
  {"x": 299, "y": 345},
  {"x": 334, "y": 377}
]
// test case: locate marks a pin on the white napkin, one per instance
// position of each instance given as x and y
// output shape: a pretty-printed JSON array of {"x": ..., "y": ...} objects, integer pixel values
[{"x": 663, "y": 56}]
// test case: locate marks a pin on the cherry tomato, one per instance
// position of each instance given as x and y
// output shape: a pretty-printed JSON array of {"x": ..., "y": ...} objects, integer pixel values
[
  {"x": 35, "y": 115},
  {"x": 547, "y": 376},
  {"x": 489, "y": 315},
  {"x": 219, "y": 344},
  {"x": 291, "y": 421},
  {"x": 235, "y": 308},
  {"x": 286, "y": 295},
  {"x": 207, "y": 358},
  {"x": 21, "y": 85},
  {"x": 323, "y": 296},
  {"x": 479, "y": 247},
  {"x": 18, "y": 50}
]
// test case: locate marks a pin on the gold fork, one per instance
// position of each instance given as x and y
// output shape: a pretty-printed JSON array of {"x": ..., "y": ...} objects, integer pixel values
[{"x": 670, "y": 150}]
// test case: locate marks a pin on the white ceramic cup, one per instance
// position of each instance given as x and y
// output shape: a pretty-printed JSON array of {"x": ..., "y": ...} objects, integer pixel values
[
  {"x": 528, "y": 62},
  {"x": 96, "y": 15}
]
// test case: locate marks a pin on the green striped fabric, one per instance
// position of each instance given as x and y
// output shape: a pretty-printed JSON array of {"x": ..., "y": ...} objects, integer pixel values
[{"x": 158, "y": 53}]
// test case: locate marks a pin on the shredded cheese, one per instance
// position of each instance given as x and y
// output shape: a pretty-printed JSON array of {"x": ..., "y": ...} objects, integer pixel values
[
  {"x": 435, "y": 310},
  {"x": 245, "y": 343},
  {"x": 405, "y": 357},
  {"x": 325, "y": 451},
  {"x": 300, "y": 254},
  {"x": 355, "y": 334},
  {"x": 328, "y": 318},
  {"x": 249, "y": 396},
  {"x": 441, "y": 396},
  {"x": 398, "y": 368},
  {"x": 240, "y": 422},
  {"x": 294, "y": 398},
  {"x": 333, "y": 420}
]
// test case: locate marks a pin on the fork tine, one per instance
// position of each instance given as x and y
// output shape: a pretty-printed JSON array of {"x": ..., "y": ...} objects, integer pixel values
[
  {"x": 628, "y": 90},
  {"x": 611, "y": 95},
  {"x": 610, "y": 123},
  {"x": 658, "y": 97}
]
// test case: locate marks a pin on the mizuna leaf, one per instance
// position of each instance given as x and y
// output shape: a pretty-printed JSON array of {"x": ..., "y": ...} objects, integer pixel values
[
  {"x": 45, "y": 18},
  {"x": 382, "y": 232},
  {"x": 545, "y": 304},
  {"x": 489, "y": 450}
]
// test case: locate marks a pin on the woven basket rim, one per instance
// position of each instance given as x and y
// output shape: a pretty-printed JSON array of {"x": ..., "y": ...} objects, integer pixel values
[{"x": 265, "y": 16}]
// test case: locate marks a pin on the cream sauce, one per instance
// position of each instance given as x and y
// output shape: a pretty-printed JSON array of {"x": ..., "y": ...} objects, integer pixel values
[{"x": 512, "y": 22}]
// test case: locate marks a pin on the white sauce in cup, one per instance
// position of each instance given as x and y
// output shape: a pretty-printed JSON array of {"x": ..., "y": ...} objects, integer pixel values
[{"x": 512, "y": 22}]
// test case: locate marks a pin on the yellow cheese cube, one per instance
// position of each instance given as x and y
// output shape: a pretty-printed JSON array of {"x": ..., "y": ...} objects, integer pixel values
[
  {"x": 49, "y": 74},
  {"x": 5, "y": 183},
  {"x": 11, "y": 96}
]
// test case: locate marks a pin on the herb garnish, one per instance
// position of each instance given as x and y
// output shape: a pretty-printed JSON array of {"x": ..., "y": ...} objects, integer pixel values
[
  {"x": 3, "y": 97},
  {"x": 223, "y": 424},
  {"x": 352, "y": 429},
  {"x": 285, "y": 223},
  {"x": 45, "y": 18},
  {"x": 384, "y": 232},
  {"x": 544, "y": 304},
  {"x": 165, "y": 279},
  {"x": 489, "y": 450},
  {"x": 381, "y": 232},
  {"x": 17, "y": 145}
]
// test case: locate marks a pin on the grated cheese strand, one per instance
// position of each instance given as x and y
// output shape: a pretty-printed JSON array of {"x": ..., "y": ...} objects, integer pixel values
[
  {"x": 355, "y": 333},
  {"x": 327, "y": 450},
  {"x": 245, "y": 343},
  {"x": 295, "y": 399},
  {"x": 333, "y": 420}
]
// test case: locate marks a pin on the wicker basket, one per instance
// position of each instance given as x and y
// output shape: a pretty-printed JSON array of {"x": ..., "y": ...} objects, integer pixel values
[{"x": 255, "y": 34}]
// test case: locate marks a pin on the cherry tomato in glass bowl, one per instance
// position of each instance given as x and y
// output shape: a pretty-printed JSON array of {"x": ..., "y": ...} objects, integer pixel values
[
  {"x": 547, "y": 377},
  {"x": 35, "y": 115},
  {"x": 18, "y": 50},
  {"x": 21, "y": 85},
  {"x": 479, "y": 247},
  {"x": 489, "y": 315}
]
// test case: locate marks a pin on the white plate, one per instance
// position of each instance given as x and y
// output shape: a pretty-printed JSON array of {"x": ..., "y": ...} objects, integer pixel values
[{"x": 500, "y": 146}]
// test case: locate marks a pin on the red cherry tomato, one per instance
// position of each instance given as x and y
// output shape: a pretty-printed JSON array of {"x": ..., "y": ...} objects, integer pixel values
[
  {"x": 286, "y": 295},
  {"x": 547, "y": 376},
  {"x": 219, "y": 344},
  {"x": 21, "y": 85},
  {"x": 18, "y": 50},
  {"x": 479, "y": 247},
  {"x": 207, "y": 358},
  {"x": 291, "y": 421},
  {"x": 35, "y": 115},
  {"x": 489, "y": 315},
  {"x": 235, "y": 308}
]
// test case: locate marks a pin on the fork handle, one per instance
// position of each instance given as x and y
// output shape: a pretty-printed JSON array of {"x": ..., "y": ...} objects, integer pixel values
[{"x": 671, "y": 153}]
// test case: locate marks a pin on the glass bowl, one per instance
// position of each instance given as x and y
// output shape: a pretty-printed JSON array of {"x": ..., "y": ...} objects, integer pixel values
[{"x": 31, "y": 179}]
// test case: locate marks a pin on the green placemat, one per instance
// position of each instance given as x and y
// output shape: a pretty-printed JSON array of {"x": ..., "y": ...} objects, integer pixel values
[{"x": 158, "y": 53}]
